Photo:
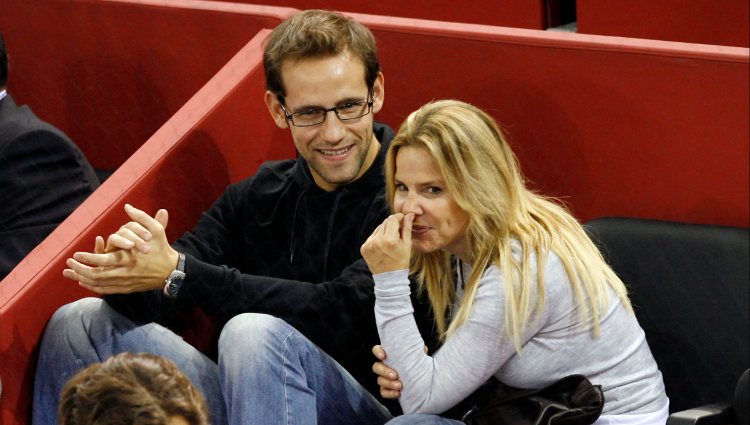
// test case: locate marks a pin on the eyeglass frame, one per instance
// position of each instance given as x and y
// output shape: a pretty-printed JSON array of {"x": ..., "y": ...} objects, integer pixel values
[{"x": 290, "y": 116}]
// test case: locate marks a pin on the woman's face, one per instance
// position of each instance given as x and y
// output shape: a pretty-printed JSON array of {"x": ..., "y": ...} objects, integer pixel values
[{"x": 439, "y": 223}]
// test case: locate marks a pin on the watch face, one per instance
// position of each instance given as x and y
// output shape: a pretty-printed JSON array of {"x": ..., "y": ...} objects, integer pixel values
[{"x": 175, "y": 283}]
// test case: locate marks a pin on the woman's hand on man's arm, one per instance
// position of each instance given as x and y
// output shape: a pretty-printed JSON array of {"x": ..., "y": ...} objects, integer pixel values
[{"x": 390, "y": 386}]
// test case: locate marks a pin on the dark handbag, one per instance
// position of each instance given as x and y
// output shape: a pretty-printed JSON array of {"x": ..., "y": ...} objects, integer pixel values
[{"x": 572, "y": 400}]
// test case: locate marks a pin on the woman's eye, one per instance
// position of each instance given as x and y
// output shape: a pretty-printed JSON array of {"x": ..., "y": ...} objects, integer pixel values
[
  {"x": 434, "y": 190},
  {"x": 400, "y": 188}
]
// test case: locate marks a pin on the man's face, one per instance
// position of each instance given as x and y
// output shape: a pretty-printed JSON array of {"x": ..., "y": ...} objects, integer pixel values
[{"x": 337, "y": 151}]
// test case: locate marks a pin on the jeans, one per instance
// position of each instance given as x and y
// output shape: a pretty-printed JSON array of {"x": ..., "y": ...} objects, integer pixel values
[
  {"x": 277, "y": 376},
  {"x": 268, "y": 372},
  {"x": 423, "y": 419},
  {"x": 89, "y": 331}
]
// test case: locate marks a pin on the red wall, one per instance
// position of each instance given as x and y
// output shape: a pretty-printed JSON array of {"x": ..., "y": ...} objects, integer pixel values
[
  {"x": 724, "y": 22},
  {"x": 510, "y": 13},
  {"x": 110, "y": 73},
  {"x": 613, "y": 126}
]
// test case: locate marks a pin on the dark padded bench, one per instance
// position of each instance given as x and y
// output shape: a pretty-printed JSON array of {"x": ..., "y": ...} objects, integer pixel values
[{"x": 689, "y": 288}]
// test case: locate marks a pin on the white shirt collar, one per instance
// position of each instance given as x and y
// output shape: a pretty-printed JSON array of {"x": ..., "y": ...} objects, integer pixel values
[{"x": 3, "y": 93}]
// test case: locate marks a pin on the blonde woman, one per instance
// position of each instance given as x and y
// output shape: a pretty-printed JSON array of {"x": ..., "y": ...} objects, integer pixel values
[{"x": 533, "y": 300}]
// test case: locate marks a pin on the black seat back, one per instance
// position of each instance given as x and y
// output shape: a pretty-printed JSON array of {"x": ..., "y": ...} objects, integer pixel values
[{"x": 689, "y": 287}]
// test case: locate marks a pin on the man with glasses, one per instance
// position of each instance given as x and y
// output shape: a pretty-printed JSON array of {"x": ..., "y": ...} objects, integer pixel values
[{"x": 283, "y": 244}]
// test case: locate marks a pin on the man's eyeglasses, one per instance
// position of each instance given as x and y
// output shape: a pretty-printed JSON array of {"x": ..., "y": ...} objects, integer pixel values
[{"x": 345, "y": 112}]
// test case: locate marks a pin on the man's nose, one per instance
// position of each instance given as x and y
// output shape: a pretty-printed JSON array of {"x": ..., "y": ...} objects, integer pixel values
[{"x": 332, "y": 130}]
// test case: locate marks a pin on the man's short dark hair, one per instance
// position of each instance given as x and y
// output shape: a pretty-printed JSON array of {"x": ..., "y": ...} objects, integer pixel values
[
  {"x": 3, "y": 63},
  {"x": 318, "y": 33}
]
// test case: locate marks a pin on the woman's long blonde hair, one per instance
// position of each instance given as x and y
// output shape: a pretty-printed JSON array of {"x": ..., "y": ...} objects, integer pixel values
[{"x": 482, "y": 173}]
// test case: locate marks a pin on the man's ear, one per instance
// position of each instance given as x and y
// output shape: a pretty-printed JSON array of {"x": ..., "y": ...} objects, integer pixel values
[
  {"x": 378, "y": 93},
  {"x": 274, "y": 108}
]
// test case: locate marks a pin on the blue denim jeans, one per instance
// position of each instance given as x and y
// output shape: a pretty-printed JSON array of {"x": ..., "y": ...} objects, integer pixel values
[
  {"x": 268, "y": 373},
  {"x": 423, "y": 419},
  {"x": 89, "y": 331},
  {"x": 272, "y": 374}
]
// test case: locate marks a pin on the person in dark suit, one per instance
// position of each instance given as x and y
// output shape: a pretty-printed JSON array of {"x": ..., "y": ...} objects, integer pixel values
[{"x": 43, "y": 177}]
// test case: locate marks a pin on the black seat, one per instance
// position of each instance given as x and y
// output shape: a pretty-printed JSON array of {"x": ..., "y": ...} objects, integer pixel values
[{"x": 689, "y": 287}]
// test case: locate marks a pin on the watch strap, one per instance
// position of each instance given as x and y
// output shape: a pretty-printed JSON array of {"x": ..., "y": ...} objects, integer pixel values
[
  {"x": 181, "y": 263},
  {"x": 173, "y": 282}
]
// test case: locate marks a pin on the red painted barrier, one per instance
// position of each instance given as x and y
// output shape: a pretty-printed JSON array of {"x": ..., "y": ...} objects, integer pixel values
[
  {"x": 109, "y": 73},
  {"x": 724, "y": 23},
  {"x": 509, "y": 13},
  {"x": 613, "y": 126}
]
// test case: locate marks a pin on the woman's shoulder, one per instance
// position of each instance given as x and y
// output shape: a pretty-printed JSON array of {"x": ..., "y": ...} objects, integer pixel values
[{"x": 491, "y": 282}]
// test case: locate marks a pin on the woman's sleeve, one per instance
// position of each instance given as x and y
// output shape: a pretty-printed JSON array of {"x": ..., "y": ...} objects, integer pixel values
[{"x": 473, "y": 353}]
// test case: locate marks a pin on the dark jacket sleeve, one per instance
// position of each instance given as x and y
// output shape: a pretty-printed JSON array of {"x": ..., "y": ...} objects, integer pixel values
[
  {"x": 43, "y": 177},
  {"x": 308, "y": 306}
]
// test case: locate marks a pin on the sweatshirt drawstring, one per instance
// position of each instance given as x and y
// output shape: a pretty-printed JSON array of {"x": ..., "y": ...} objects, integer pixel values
[
  {"x": 330, "y": 231},
  {"x": 294, "y": 223}
]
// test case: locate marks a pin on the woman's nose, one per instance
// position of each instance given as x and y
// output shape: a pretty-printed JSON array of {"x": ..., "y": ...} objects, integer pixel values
[{"x": 411, "y": 205}]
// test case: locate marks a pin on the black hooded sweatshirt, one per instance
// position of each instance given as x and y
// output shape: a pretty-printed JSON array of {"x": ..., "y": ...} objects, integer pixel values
[{"x": 276, "y": 243}]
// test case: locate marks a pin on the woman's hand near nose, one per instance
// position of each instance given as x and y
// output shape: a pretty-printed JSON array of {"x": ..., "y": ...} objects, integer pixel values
[{"x": 389, "y": 246}]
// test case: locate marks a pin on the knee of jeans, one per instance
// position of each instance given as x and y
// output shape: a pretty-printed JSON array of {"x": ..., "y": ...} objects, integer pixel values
[
  {"x": 421, "y": 419},
  {"x": 251, "y": 333},
  {"x": 400, "y": 420},
  {"x": 251, "y": 326},
  {"x": 71, "y": 322},
  {"x": 85, "y": 310}
]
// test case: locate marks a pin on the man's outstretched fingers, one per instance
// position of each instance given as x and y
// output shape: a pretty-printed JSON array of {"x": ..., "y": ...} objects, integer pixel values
[
  {"x": 115, "y": 242},
  {"x": 99, "y": 247},
  {"x": 82, "y": 273},
  {"x": 116, "y": 258},
  {"x": 134, "y": 233},
  {"x": 142, "y": 218},
  {"x": 162, "y": 216}
]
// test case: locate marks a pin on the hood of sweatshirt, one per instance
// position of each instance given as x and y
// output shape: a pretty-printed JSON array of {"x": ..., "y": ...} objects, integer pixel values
[{"x": 372, "y": 181}]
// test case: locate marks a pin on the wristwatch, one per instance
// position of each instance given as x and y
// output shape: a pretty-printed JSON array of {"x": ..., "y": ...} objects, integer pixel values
[{"x": 173, "y": 283}]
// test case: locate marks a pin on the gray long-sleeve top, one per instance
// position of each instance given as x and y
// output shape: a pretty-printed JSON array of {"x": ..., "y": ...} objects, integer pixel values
[{"x": 556, "y": 344}]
